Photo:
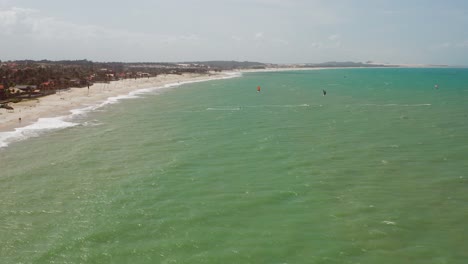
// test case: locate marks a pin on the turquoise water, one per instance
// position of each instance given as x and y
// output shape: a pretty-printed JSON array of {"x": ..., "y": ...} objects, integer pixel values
[{"x": 374, "y": 172}]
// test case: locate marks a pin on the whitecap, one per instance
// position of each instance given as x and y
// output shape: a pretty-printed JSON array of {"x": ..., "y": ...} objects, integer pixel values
[
  {"x": 395, "y": 104},
  {"x": 223, "y": 108},
  {"x": 283, "y": 106},
  {"x": 34, "y": 130}
]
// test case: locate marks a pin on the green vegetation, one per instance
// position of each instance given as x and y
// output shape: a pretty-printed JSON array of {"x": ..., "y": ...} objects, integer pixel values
[{"x": 27, "y": 78}]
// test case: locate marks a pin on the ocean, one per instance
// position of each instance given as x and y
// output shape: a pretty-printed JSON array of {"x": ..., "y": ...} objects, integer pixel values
[{"x": 375, "y": 171}]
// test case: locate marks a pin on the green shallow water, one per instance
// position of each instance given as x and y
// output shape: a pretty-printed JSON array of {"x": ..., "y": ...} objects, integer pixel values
[{"x": 214, "y": 172}]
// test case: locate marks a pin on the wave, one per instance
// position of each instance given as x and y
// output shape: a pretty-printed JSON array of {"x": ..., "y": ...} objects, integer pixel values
[
  {"x": 285, "y": 106},
  {"x": 236, "y": 108},
  {"x": 34, "y": 130},
  {"x": 150, "y": 90},
  {"x": 223, "y": 109},
  {"x": 396, "y": 105}
]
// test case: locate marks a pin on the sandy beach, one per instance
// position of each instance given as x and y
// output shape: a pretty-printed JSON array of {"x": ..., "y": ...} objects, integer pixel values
[{"x": 61, "y": 103}]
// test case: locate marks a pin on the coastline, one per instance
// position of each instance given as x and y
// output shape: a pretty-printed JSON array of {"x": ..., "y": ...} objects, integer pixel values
[
  {"x": 61, "y": 106},
  {"x": 63, "y": 102},
  {"x": 57, "y": 110}
]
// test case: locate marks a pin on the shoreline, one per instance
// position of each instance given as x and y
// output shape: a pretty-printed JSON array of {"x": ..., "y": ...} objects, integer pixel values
[{"x": 38, "y": 113}]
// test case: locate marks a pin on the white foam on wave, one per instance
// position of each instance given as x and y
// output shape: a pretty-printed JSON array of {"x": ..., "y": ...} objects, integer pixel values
[
  {"x": 228, "y": 75},
  {"x": 284, "y": 106},
  {"x": 223, "y": 108},
  {"x": 236, "y": 108},
  {"x": 419, "y": 105},
  {"x": 116, "y": 99},
  {"x": 396, "y": 104},
  {"x": 34, "y": 130},
  {"x": 149, "y": 90},
  {"x": 134, "y": 94}
]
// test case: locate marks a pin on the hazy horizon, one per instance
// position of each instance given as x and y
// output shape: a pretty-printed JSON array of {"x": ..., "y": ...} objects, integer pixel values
[
  {"x": 267, "y": 31},
  {"x": 247, "y": 61}
]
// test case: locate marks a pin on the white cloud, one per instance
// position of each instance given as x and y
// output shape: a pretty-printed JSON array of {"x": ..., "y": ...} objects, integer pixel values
[
  {"x": 449, "y": 45},
  {"x": 334, "y": 37},
  {"x": 49, "y": 34},
  {"x": 280, "y": 42},
  {"x": 331, "y": 42},
  {"x": 316, "y": 45},
  {"x": 446, "y": 45},
  {"x": 259, "y": 35},
  {"x": 236, "y": 38},
  {"x": 269, "y": 3},
  {"x": 334, "y": 41},
  {"x": 174, "y": 38},
  {"x": 31, "y": 23},
  {"x": 14, "y": 19}
]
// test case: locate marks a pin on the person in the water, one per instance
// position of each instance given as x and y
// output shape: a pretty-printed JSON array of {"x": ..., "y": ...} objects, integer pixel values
[{"x": 324, "y": 92}]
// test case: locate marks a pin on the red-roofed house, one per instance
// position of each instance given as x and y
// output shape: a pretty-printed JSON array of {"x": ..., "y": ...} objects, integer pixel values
[{"x": 47, "y": 87}]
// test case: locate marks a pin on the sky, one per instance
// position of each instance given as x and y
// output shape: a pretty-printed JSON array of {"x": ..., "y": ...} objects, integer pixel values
[{"x": 269, "y": 31}]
